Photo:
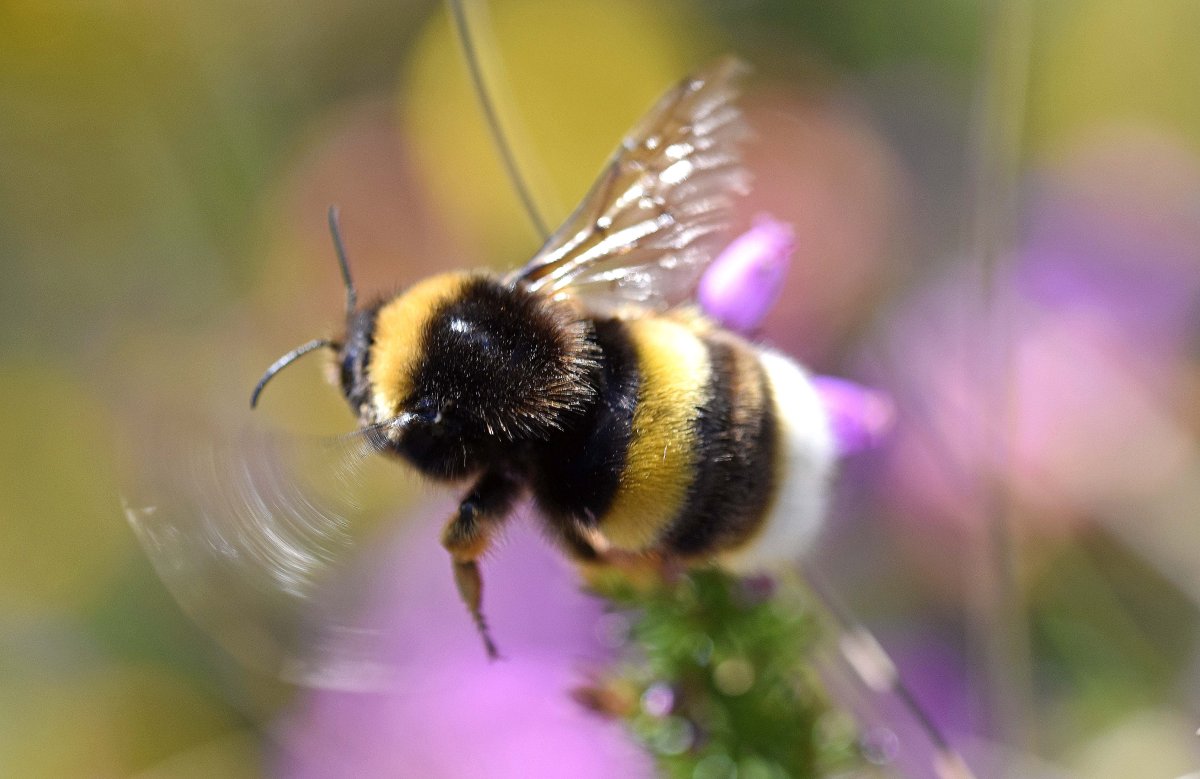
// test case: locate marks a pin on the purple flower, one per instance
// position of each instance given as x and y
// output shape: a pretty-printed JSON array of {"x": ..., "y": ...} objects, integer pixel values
[
  {"x": 743, "y": 282},
  {"x": 441, "y": 709},
  {"x": 859, "y": 416},
  {"x": 739, "y": 289}
]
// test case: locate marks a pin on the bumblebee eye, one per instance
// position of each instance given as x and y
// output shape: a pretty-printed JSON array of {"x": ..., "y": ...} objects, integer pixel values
[
  {"x": 355, "y": 356},
  {"x": 436, "y": 418},
  {"x": 347, "y": 372},
  {"x": 428, "y": 412}
]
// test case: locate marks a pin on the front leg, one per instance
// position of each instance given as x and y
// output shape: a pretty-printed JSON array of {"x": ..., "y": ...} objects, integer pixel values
[{"x": 468, "y": 535}]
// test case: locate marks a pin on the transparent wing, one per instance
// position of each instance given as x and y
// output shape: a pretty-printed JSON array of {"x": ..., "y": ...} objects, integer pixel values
[
  {"x": 255, "y": 540},
  {"x": 897, "y": 733},
  {"x": 653, "y": 220}
]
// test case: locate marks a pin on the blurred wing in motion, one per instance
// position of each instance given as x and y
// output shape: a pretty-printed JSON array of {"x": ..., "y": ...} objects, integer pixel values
[
  {"x": 652, "y": 221},
  {"x": 254, "y": 540},
  {"x": 897, "y": 732}
]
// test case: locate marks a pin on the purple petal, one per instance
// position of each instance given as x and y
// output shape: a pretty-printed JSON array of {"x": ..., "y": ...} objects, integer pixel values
[
  {"x": 860, "y": 416},
  {"x": 437, "y": 690},
  {"x": 743, "y": 282}
]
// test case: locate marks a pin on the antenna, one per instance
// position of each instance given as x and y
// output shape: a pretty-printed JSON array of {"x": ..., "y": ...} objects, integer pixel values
[
  {"x": 335, "y": 229},
  {"x": 285, "y": 361},
  {"x": 458, "y": 11}
]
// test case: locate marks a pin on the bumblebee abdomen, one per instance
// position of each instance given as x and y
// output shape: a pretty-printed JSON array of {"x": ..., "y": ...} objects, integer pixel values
[
  {"x": 803, "y": 461},
  {"x": 662, "y": 458},
  {"x": 735, "y": 475},
  {"x": 701, "y": 447}
]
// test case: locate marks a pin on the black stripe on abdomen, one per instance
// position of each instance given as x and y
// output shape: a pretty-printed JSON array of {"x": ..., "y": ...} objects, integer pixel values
[
  {"x": 580, "y": 471},
  {"x": 734, "y": 477}
]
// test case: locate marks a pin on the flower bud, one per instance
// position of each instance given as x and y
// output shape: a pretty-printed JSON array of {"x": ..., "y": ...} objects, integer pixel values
[
  {"x": 743, "y": 282},
  {"x": 859, "y": 416}
]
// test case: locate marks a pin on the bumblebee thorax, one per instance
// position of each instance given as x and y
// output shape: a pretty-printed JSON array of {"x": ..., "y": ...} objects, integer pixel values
[
  {"x": 400, "y": 338},
  {"x": 471, "y": 364}
]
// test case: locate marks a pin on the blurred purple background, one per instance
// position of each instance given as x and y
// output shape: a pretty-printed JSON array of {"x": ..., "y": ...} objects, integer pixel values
[{"x": 996, "y": 215}]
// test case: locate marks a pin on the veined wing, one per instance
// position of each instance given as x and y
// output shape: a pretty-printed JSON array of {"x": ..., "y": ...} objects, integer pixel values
[{"x": 654, "y": 219}]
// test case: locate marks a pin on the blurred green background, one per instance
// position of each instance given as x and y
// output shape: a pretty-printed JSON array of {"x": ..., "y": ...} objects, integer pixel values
[{"x": 1011, "y": 188}]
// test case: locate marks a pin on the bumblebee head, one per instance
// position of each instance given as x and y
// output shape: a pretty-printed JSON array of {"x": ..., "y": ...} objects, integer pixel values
[
  {"x": 352, "y": 356},
  {"x": 461, "y": 367}
]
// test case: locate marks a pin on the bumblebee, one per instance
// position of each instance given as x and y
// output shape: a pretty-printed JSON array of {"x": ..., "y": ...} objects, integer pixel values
[{"x": 584, "y": 381}]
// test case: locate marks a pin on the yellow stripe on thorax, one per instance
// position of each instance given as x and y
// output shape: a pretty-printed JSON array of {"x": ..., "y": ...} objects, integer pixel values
[
  {"x": 399, "y": 328},
  {"x": 660, "y": 462}
]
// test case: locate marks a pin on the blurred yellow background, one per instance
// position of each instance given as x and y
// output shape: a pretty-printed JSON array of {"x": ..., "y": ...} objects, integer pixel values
[{"x": 164, "y": 174}]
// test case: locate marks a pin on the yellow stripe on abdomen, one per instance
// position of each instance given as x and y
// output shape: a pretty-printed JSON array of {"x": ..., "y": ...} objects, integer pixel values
[{"x": 660, "y": 463}]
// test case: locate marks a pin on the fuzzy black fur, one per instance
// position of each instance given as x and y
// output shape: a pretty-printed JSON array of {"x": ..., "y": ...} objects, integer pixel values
[
  {"x": 578, "y": 473},
  {"x": 499, "y": 367},
  {"x": 735, "y": 461}
]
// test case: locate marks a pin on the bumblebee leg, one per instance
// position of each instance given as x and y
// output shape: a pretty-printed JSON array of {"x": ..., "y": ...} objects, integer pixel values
[
  {"x": 574, "y": 542},
  {"x": 468, "y": 535},
  {"x": 470, "y": 588}
]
